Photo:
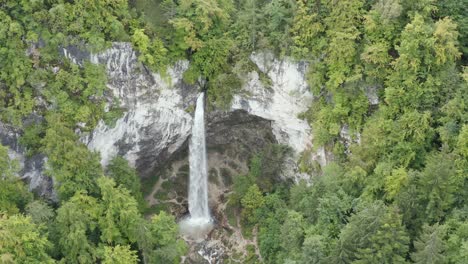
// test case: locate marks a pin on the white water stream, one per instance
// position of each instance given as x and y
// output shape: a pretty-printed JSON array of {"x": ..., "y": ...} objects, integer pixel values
[{"x": 199, "y": 223}]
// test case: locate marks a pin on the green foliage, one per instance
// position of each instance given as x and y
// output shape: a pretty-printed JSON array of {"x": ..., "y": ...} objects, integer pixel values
[
  {"x": 251, "y": 201},
  {"x": 306, "y": 31},
  {"x": 279, "y": 14},
  {"x": 313, "y": 250},
  {"x": 120, "y": 217},
  {"x": 119, "y": 255},
  {"x": 14, "y": 195},
  {"x": 93, "y": 22},
  {"x": 438, "y": 184},
  {"x": 342, "y": 31},
  {"x": 429, "y": 246},
  {"x": 374, "y": 235},
  {"x": 456, "y": 11},
  {"x": 292, "y": 232},
  {"x": 76, "y": 219},
  {"x": 457, "y": 237},
  {"x": 40, "y": 212},
  {"x": 160, "y": 244},
  {"x": 21, "y": 241},
  {"x": 72, "y": 165},
  {"x": 152, "y": 52},
  {"x": 127, "y": 177}
]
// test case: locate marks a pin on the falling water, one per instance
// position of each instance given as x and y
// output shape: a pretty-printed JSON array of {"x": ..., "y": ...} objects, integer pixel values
[
  {"x": 199, "y": 222},
  {"x": 198, "y": 191}
]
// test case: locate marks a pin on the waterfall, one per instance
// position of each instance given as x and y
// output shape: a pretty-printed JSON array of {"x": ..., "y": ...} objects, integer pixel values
[
  {"x": 198, "y": 189},
  {"x": 199, "y": 223}
]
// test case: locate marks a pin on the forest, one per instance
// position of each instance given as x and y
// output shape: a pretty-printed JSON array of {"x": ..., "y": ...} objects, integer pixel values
[{"x": 397, "y": 194}]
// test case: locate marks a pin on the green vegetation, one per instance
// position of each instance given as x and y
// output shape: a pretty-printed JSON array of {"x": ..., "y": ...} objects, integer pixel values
[{"x": 397, "y": 194}]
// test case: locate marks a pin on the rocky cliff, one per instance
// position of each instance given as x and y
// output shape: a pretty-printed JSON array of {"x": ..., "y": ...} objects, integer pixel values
[{"x": 157, "y": 119}]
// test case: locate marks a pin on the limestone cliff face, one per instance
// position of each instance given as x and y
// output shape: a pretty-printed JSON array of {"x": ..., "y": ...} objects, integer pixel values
[
  {"x": 157, "y": 120},
  {"x": 155, "y": 124}
]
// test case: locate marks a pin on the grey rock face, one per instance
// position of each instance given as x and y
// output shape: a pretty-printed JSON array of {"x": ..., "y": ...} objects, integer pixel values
[
  {"x": 155, "y": 124},
  {"x": 31, "y": 167}
]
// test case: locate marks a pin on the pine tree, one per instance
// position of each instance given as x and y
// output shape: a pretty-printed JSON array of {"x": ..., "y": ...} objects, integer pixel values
[{"x": 429, "y": 246}]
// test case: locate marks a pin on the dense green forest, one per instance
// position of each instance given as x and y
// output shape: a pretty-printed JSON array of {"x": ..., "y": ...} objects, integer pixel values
[{"x": 398, "y": 194}]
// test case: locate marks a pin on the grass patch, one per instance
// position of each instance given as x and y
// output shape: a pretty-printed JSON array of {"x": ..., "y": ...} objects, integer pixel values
[
  {"x": 251, "y": 256},
  {"x": 247, "y": 231},
  {"x": 231, "y": 215}
]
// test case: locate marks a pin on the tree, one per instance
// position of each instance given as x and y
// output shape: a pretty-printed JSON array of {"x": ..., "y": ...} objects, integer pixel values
[
  {"x": 40, "y": 212},
  {"x": 119, "y": 255},
  {"x": 427, "y": 53},
  {"x": 72, "y": 165},
  {"x": 279, "y": 17},
  {"x": 127, "y": 177},
  {"x": 152, "y": 52},
  {"x": 343, "y": 32},
  {"x": 196, "y": 22},
  {"x": 381, "y": 25},
  {"x": 429, "y": 246},
  {"x": 210, "y": 60},
  {"x": 120, "y": 216},
  {"x": 92, "y": 22},
  {"x": 456, "y": 237},
  {"x": 76, "y": 220},
  {"x": 21, "y": 241},
  {"x": 456, "y": 10},
  {"x": 462, "y": 143},
  {"x": 438, "y": 183},
  {"x": 270, "y": 239},
  {"x": 313, "y": 249},
  {"x": 374, "y": 235},
  {"x": 252, "y": 200},
  {"x": 306, "y": 32},
  {"x": 292, "y": 233},
  {"x": 240, "y": 187},
  {"x": 159, "y": 241},
  {"x": 247, "y": 25}
]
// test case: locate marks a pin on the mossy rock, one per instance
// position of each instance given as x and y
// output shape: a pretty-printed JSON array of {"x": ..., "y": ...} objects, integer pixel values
[
  {"x": 233, "y": 165},
  {"x": 184, "y": 169},
  {"x": 179, "y": 184},
  {"x": 167, "y": 185},
  {"x": 161, "y": 196},
  {"x": 155, "y": 209},
  {"x": 226, "y": 175},
  {"x": 171, "y": 195},
  {"x": 147, "y": 184},
  {"x": 213, "y": 176},
  {"x": 179, "y": 199}
]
